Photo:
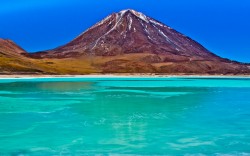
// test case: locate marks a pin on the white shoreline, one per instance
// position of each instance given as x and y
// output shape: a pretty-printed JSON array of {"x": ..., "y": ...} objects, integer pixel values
[{"x": 119, "y": 76}]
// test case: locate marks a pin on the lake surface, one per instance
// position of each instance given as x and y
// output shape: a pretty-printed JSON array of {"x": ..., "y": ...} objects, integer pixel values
[{"x": 132, "y": 116}]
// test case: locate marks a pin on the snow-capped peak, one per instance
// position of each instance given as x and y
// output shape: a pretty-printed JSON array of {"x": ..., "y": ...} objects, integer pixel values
[{"x": 138, "y": 14}]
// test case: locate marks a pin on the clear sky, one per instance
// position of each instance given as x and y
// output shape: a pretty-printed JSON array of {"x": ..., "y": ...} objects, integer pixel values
[{"x": 222, "y": 26}]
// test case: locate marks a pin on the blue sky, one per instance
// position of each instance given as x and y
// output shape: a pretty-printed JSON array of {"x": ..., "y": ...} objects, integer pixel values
[{"x": 222, "y": 26}]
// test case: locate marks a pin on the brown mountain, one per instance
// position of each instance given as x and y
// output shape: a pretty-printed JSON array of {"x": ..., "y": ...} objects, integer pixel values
[
  {"x": 8, "y": 47},
  {"x": 131, "y": 32},
  {"x": 131, "y": 42},
  {"x": 12, "y": 58}
]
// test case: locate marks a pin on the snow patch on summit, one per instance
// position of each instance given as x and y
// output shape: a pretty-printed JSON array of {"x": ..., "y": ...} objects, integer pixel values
[
  {"x": 130, "y": 23},
  {"x": 137, "y": 14},
  {"x": 140, "y": 15},
  {"x": 102, "y": 21},
  {"x": 156, "y": 23}
]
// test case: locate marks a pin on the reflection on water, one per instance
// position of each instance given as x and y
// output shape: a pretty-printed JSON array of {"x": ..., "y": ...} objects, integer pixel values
[
  {"x": 65, "y": 86},
  {"x": 45, "y": 86},
  {"x": 124, "y": 117}
]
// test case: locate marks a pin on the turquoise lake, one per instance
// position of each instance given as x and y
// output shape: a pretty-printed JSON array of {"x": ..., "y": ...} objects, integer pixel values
[{"x": 130, "y": 116}]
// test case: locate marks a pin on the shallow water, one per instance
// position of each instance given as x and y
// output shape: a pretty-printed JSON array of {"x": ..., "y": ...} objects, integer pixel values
[{"x": 134, "y": 116}]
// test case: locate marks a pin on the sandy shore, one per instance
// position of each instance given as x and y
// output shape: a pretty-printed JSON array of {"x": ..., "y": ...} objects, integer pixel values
[{"x": 119, "y": 76}]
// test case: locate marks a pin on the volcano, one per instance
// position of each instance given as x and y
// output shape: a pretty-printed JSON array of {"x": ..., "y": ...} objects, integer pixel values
[
  {"x": 130, "y": 31},
  {"x": 131, "y": 42}
]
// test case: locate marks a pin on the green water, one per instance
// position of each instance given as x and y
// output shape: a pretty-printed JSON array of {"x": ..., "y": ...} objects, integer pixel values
[{"x": 131, "y": 116}]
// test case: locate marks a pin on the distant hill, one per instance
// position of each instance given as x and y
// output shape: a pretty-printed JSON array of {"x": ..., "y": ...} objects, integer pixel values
[{"x": 13, "y": 59}]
